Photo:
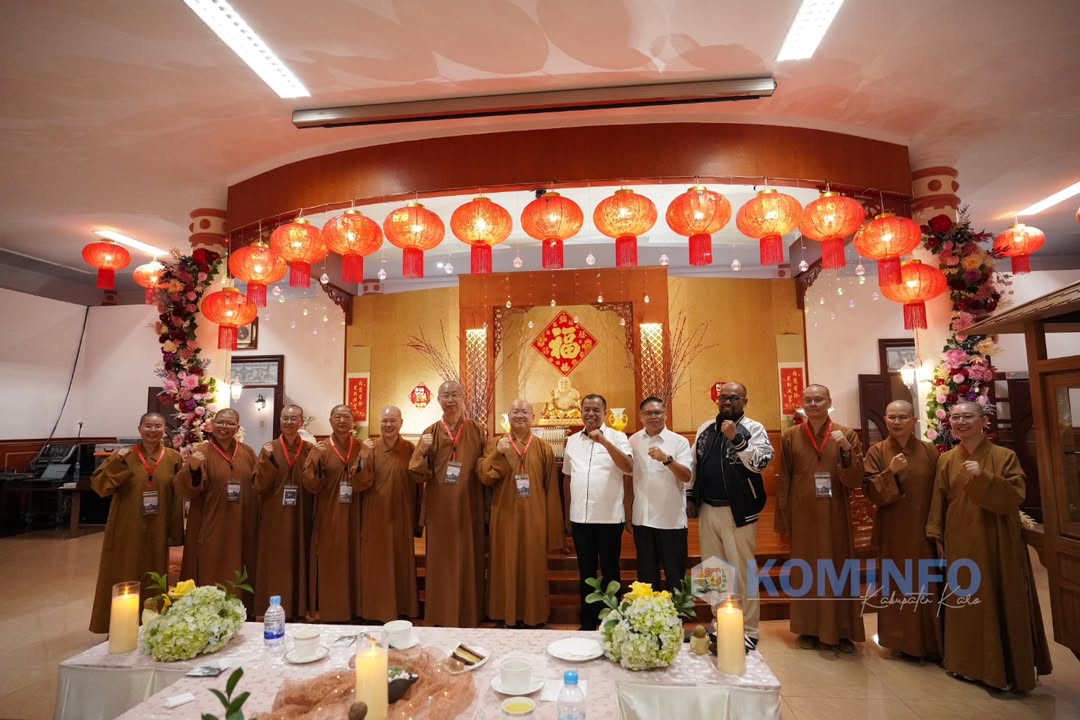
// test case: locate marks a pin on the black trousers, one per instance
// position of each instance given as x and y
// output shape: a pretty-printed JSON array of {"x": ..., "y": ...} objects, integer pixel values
[
  {"x": 656, "y": 549},
  {"x": 598, "y": 545}
]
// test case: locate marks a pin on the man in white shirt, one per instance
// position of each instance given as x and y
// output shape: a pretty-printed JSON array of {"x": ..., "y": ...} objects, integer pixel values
[
  {"x": 595, "y": 461},
  {"x": 663, "y": 468}
]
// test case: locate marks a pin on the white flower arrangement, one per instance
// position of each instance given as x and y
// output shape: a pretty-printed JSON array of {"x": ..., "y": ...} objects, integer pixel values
[
  {"x": 200, "y": 621},
  {"x": 644, "y": 630}
]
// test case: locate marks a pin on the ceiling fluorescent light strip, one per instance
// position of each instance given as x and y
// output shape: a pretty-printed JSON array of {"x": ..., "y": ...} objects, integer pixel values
[
  {"x": 807, "y": 30},
  {"x": 238, "y": 35},
  {"x": 35, "y": 258},
  {"x": 130, "y": 242},
  {"x": 626, "y": 96},
  {"x": 1060, "y": 196}
]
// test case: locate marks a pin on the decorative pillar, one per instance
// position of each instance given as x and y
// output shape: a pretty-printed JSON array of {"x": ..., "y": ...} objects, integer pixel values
[
  {"x": 207, "y": 230},
  {"x": 934, "y": 192}
]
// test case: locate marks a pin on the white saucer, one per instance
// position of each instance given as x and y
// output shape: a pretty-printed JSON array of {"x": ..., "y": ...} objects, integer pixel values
[
  {"x": 291, "y": 656},
  {"x": 469, "y": 668},
  {"x": 534, "y": 684},
  {"x": 413, "y": 641},
  {"x": 575, "y": 649}
]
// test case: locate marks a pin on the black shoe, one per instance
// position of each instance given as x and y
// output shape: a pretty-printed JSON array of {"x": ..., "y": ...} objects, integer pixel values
[{"x": 750, "y": 643}]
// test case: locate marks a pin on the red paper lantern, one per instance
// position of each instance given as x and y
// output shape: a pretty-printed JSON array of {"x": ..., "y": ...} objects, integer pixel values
[
  {"x": 767, "y": 217},
  {"x": 149, "y": 276},
  {"x": 300, "y": 244},
  {"x": 828, "y": 220},
  {"x": 230, "y": 309},
  {"x": 482, "y": 224},
  {"x": 552, "y": 219},
  {"x": 623, "y": 216},
  {"x": 107, "y": 257},
  {"x": 918, "y": 283},
  {"x": 885, "y": 239},
  {"x": 352, "y": 235},
  {"x": 698, "y": 213},
  {"x": 414, "y": 229},
  {"x": 258, "y": 266},
  {"x": 1018, "y": 243}
]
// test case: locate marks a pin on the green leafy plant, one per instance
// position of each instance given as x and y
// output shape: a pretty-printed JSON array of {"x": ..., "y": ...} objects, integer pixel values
[
  {"x": 684, "y": 599},
  {"x": 608, "y": 596},
  {"x": 233, "y": 705},
  {"x": 238, "y": 584}
]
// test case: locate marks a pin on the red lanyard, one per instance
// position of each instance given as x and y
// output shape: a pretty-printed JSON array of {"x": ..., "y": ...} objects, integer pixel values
[
  {"x": 222, "y": 452},
  {"x": 150, "y": 470},
  {"x": 813, "y": 441},
  {"x": 521, "y": 453},
  {"x": 344, "y": 459},
  {"x": 454, "y": 438},
  {"x": 292, "y": 460}
]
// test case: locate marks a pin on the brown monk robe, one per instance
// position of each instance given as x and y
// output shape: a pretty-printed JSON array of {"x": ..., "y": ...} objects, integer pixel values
[
  {"x": 822, "y": 464},
  {"x": 145, "y": 516},
  {"x": 331, "y": 474},
  {"x": 387, "y": 554},
  {"x": 446, "y": 460},
  {"x": 995, "y": 636},
  {"x": 526, "y": 520},
  {"x": 286, "y": 512},
  {"x": 900, "y": 481},
  {"x": 220, "y": 536}
]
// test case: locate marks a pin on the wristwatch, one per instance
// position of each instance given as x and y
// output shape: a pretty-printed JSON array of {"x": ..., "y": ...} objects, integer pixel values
[{"x": 669, "y": 460}]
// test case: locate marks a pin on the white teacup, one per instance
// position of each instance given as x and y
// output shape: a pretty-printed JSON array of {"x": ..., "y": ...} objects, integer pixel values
[
  {"x": 306, "y": 642},
  {"x": 515, "y": 674},
  {"x": 398, "y": 632}
]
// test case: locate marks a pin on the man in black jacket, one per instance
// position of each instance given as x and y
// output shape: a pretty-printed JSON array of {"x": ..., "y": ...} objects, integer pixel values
[{"x": 730, "y": 453}]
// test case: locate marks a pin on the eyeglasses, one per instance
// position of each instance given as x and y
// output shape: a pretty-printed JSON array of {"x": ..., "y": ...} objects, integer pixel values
[
  {"x": 450, "y": 396},
  {"x": 963, "y": 418},
  {"x": 731, "y": 398},
  {"x": 815, "y": 401},
  {"x": 223, "y": 424},
  {"x": 897, "y": 418}
]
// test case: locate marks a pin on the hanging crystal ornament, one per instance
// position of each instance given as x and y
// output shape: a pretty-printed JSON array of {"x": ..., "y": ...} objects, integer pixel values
[
  {"x": 305, "y": 312},
  {"x": 276, "y": 290},
  {"x": 530, "y": 324},
  {"x": 862, "y": 280},
  {"x": 821, "y": 300},
  {"x": 448, "y": 268},
  {"x": 281, "y": 299},
  {"x": 736, "y": 266},
  {"x": 381, "y": 274},
  {"x": 518, "y": 262},
  {"x": 590, "y": 259},
  {"x": 839, "y": 291},
  {"x": 851, "y": 303},
  {"x": 664, "y": 259},
  {"x": 509, "y": 304},
  {"x": 599, "y": 298},
  {"x": 552, "y": 302},
  {"x": 803, "y": 266},
  {"x": 622, "y": 322},
  {"x": 860, "y": 270},
  {"x": 292, "y": 325},
  {"x": 324, "y": 278},
  {"x": 646, "y": 299},
  {"x": 325, "y": 319},
  {"x": 875, "y": 296}
]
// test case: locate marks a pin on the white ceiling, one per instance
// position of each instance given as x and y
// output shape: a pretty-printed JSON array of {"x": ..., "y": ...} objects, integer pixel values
[{"x": 128, "y": 115}]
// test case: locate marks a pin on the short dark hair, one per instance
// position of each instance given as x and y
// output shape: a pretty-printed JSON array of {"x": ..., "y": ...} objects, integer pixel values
[
  {"x": 594, "y": 396},
  {"x": 651, "y": 399},
  {"x": 142, "y": 418}
]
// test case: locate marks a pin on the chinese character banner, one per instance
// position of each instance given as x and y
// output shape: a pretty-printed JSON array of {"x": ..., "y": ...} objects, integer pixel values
[
  {"x": 357, "y": 394},
  {"x": 564, "y": 343}
]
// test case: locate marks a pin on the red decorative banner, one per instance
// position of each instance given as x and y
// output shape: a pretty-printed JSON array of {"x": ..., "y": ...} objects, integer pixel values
[
  {"x": 357, "y": 394},
  {"x": 792, "y": 383},
  {"x": 714, "y": 393},
  {"x": 420, "y": 396},
  {"x": 564, "y": 343}
]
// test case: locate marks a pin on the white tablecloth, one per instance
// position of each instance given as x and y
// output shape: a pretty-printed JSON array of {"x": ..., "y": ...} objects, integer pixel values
[{"x": 97, "y": 686}]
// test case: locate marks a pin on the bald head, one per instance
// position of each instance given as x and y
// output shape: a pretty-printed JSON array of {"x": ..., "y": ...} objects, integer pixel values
[
  {"x": 227, "y": 412},
  {"x": 390, "y": 424},
  {"x": 967, "y": 422},
  {"x": 900, "y": 420},
  {"x": 521, "y": 416},
  {"x": 816, "y": 402},
  {"x": 451, "y": 399}
]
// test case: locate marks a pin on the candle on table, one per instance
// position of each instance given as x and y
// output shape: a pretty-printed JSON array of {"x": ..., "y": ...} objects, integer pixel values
[
  {"x": 730, "y": 647},
  {"x": 124, "y": 617},
  {"x": 372, "y": 682}
]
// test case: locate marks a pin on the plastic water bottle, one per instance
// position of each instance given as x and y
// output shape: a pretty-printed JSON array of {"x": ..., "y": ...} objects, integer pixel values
[
  {"x": 571, "y": 698},
  {"x": 274, "y": 623}
]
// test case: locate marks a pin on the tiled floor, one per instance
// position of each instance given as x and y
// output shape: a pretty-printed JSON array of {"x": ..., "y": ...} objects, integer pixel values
[{"x": 48, "y": 582}]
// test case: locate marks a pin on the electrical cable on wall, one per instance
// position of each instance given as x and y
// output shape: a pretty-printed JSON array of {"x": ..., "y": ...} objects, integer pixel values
[{"x": 71, "y": 380}]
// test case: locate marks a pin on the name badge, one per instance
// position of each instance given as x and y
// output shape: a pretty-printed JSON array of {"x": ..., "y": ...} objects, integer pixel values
[
  {"x": 521, "y": 482},
  {"x": 344, "y": 493},
  {"x": 232, "y": 492},
  {"x": 453, "y": 472},
  {"x": 150, "y": 502},
  {"x": 823, "y": 484},
  {"x": 289, "y": 495}
]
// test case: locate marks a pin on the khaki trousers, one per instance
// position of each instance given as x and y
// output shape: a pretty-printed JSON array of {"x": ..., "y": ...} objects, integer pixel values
[{"x": 735, "y": 546}]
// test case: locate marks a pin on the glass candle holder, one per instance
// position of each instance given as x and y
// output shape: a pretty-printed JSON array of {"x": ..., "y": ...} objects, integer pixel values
[
  {"x": 124, "y": 617},
  {"x": 372, "y": 682},
  {"x": 730, "y": 645}
]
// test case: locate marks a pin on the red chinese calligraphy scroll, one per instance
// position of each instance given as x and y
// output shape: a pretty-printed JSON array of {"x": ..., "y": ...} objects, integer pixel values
[
  {"x": 357, "y": 389},
  {"x": 792, "y": 382},
  {"x": 564, "y": 343}
]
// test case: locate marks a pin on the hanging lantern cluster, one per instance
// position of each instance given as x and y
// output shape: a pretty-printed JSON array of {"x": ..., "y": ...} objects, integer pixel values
[
  {"x": 258, "y": 266},
  {"x": 299, "y": 243},
  {"x": 768, "y": 217},
  {"x": 552, "y": 219},
  {"x": 231, "y": 310},
  {"x": 108, "y": 257},
  {"x": 828, "y": 220},
  {"x": 415, "y": 230},
  {"x": 624, "y": 216},
  {"x": 885, "y": 239},
  {"x": 918, "y": 284},
  {"x": 353, "y": 236},
  {"x": 481, "y": 224},
  {"x": 1018, "y": 243},
  {"x": 697, "y": 214},
  {"x": 149, "y": 277}
]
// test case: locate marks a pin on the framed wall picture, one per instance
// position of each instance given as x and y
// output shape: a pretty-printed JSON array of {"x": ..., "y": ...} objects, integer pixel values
[
  {"x": 894, "y": 353},
  {"x": 247, "y": 336}
]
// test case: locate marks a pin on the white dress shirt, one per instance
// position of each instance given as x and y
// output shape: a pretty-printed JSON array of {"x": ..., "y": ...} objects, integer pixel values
[
  {"x": 596, "y": 483},
  {"x": 660, "y": 497}
]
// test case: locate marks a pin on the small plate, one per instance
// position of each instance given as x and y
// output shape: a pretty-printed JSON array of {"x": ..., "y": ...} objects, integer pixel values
[
  {"x": 534, "y": 684},
  {"x": 413, "y": 641},
  {"x": 468, "y": 668},
  {"x": 575, "y": 649},
  {"x": 291, "y": 657}
]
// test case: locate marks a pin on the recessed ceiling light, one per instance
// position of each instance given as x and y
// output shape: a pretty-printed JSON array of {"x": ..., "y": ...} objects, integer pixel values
[
  {"x": 131, "y": 242},
  {"x": 1053, "y": 200},
  {"x": 238, "y": 35},
  {"x": 809, "y": 27}
]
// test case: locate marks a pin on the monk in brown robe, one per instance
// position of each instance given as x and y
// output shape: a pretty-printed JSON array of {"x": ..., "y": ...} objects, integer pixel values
[
  {"x": 900, "y": 482},
  {"x": 996, "y": 634},
  {"x": 285, "y": 518},
  {"x": 145, "y": 516},
  {"x": 221, "y": 529},
  {"x": 526, "y": 520},
  {"x": 445, "y": 461},
  {"x": 331, "y": 473},
  {"x": 822, "y": 464},
  {"x": 387, "y": 553}
]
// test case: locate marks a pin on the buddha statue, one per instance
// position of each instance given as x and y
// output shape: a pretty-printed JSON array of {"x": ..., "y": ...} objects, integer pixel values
[{"x": 563, "y": 403}]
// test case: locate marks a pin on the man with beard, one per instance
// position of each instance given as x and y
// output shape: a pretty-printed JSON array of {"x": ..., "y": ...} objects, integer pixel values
[
  {"x": 445, "y": 461},
  {"x": 730, "y": 454},
  {"x": 596, "y": 459}
]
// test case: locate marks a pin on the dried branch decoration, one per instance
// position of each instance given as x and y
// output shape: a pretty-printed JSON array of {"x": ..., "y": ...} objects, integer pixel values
[{"x": 440, "y": 359}]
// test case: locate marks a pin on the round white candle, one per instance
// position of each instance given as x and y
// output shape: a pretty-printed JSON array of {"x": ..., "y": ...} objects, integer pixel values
[
  {"x": 730, "y": 647},
  {"x": 124, "y": 618},
  {"x": 372, "y": 683}
]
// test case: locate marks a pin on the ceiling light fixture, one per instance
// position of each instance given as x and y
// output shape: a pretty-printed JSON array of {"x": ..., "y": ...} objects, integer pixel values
[
  {"x": 807, "y": 30},
  {"x": 238, "y": 35},
  {"x": 1053, "y": 200},
  {"x": 582, "y": 99},
  {"x": 131, "y": 242}
]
